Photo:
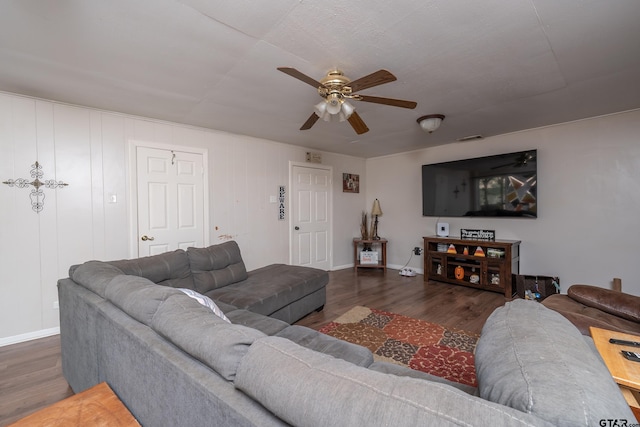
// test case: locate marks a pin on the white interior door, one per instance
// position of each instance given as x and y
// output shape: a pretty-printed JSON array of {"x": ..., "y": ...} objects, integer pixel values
[
  {"x": 170, "y": 197},
  {"x": 311, "y": 197}
]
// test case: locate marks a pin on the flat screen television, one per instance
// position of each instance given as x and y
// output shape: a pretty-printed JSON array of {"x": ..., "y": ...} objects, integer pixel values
[{"x": 504, "y": 185}]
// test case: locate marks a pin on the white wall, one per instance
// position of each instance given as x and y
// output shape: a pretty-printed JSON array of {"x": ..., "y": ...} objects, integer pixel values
[
  {"x": 589, "y": 173},
  {"x": 88, "y": 149},
  {"x": 587, "y": 230}
]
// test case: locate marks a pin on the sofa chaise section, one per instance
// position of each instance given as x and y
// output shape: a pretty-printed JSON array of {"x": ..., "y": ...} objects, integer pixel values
[{"x": 284, "y": 292}]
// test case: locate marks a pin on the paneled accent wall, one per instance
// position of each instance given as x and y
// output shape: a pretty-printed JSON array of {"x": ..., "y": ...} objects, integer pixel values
[{"x": 90, "y": 219}]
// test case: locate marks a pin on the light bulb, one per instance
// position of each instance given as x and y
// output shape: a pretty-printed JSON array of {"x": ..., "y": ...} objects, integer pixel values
[
  {"x": 333, "y": 103},
  {"x": 321, "y": 108},
  {"x": 347, "y": 109}
]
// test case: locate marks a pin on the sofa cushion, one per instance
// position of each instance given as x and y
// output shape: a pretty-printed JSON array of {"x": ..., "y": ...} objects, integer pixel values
[
  {"x": 265, "y": 324},
  {"x": 326, "y": 344},
  {"x": 205, "y": 301},
  {"x": 403, "y": 371},
  {"x": 94, "y": 275},
  {"x": 584, "y": 316},
  {"x": 202, "y": 334},
  {"x": 307, "y": 388},
  {"x": 216, "y": 266},
  {"x": 613, "y": 302},
  {"x": 137, "y": 296},
  {"x": 270, "y": 288},
  {"x": 226, "y": 308},
  {"x": 167, "y": 269},
  {"x": 531, "y": 358}
]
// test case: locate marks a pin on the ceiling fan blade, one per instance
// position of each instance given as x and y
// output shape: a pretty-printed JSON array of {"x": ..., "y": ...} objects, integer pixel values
[
  {"x": 389, "y": 101},
  {"x": 373, "y": 79},
  {"x": 357, "y": 123},
  {"x": 310, "y": 121},
  {"x": 300, "y": 76}
]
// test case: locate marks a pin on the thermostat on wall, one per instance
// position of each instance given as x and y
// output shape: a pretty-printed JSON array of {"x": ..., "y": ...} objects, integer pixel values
[
  {"x": 442, "y": 229},
  {"x": 314, "y": 157}
]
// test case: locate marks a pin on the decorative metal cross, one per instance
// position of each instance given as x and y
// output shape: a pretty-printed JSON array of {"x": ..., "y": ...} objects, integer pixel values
[{"x": 36, "y": 195}]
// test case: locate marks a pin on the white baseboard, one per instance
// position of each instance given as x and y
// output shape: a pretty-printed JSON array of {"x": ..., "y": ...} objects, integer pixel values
[
  {"x": 341, "y": 267},
  {"x": 389, "y": 266},
  {"x": 29, "y": 336}
]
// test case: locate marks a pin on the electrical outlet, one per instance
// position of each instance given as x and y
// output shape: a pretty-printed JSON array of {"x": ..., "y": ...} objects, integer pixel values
[
  {"x": 417, "y": 250},
  {"x": 56, "y": 305}
]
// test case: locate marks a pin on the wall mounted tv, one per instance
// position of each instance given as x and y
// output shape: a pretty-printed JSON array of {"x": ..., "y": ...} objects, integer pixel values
[{"x": 504, "y": 185}]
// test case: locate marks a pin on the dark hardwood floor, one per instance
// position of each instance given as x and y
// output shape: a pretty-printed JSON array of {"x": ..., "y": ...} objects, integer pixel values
[
  {"x": 449, "y": 305},
  {"x": 30, "y": 378},
  {"x": 31, "y": 374}
]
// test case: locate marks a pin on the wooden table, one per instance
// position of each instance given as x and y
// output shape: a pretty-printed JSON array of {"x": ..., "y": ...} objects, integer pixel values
[
  {"x": 95, "y": 407},
  {"x": 625, "y": 372},
  {"x": 382, "y": 261}
]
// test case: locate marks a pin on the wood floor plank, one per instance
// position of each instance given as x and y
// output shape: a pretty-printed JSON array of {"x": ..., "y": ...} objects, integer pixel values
[
  {"x": 31, "y": 374},
  {"x": 30, "y": 378},
  {"x": 450, "y": 305}
]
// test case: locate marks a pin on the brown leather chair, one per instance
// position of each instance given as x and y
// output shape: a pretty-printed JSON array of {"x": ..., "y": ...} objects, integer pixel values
[{"x": 586, "y": 305}]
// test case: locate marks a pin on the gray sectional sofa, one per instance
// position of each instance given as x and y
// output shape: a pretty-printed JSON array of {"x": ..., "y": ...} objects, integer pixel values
[{"x": 178, "y": 358}]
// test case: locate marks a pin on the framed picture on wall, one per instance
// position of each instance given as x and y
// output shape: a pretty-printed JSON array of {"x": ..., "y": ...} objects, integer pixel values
[{"x": 350, "y": 183}]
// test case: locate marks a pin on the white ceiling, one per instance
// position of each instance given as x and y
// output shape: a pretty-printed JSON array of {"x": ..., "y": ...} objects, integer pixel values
[{"x": 491, "y": 66}]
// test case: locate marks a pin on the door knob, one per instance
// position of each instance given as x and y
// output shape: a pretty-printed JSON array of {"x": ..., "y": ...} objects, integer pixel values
[
  {"x": 145, "y": 238},
  {"x": 296, "y": 228}
]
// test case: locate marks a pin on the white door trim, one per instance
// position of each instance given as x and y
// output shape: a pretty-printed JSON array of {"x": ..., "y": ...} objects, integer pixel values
[
  {"x": 329, "y": 169},
  {"x": 133, "y": 187}
]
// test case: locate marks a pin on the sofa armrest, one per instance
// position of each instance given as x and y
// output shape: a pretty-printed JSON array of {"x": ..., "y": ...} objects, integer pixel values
[{"x": 613, "y": 302}]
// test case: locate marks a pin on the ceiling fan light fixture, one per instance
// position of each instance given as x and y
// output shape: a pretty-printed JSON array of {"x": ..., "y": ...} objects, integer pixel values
[
  {"x": 431, "y": 122},
  {"x": 320, "y": 108},
  {"x": 334, "y": 103},
  {"x": 347, "y": 109}
]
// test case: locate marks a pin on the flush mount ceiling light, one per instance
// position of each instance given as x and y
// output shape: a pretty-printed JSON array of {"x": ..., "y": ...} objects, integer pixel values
[{"x": 431, "y": 122}]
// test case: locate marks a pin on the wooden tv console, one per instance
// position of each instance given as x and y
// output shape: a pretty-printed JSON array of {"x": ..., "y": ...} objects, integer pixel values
[{"x": 491, "y": 272}]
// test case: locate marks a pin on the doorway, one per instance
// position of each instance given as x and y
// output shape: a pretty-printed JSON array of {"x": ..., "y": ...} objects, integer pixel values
[
  {"x": 311, "y": 215},
  {"x": 169, "y": 198}
]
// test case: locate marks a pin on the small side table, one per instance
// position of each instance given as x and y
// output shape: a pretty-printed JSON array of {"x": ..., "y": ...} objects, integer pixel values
[
  {"x": 625, "y": 372},
  {"x": 359, "y": 244}
]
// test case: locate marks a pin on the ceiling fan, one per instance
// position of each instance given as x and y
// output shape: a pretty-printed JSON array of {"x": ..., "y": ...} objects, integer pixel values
[
  {"x": 335, "y": 89},
  {"x": 520, "y": 161}
]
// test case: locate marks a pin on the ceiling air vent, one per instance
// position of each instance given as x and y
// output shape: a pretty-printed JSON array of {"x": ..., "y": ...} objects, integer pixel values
[{"x": 470, "y": 138}]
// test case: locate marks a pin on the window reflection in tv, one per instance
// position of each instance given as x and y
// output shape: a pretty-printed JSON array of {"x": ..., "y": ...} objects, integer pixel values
[{"x": 504, "y": 185}]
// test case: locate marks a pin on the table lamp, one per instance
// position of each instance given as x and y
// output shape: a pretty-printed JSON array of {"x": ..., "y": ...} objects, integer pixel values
[{"x": 375, "y": 213}]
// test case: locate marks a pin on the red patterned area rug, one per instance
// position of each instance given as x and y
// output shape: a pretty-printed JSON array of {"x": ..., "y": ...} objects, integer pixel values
[{"x": 417, "y": 344}]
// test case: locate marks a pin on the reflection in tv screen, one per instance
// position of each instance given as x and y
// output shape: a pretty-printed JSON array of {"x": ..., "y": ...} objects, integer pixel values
[{"x": 504, "y": 185}]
